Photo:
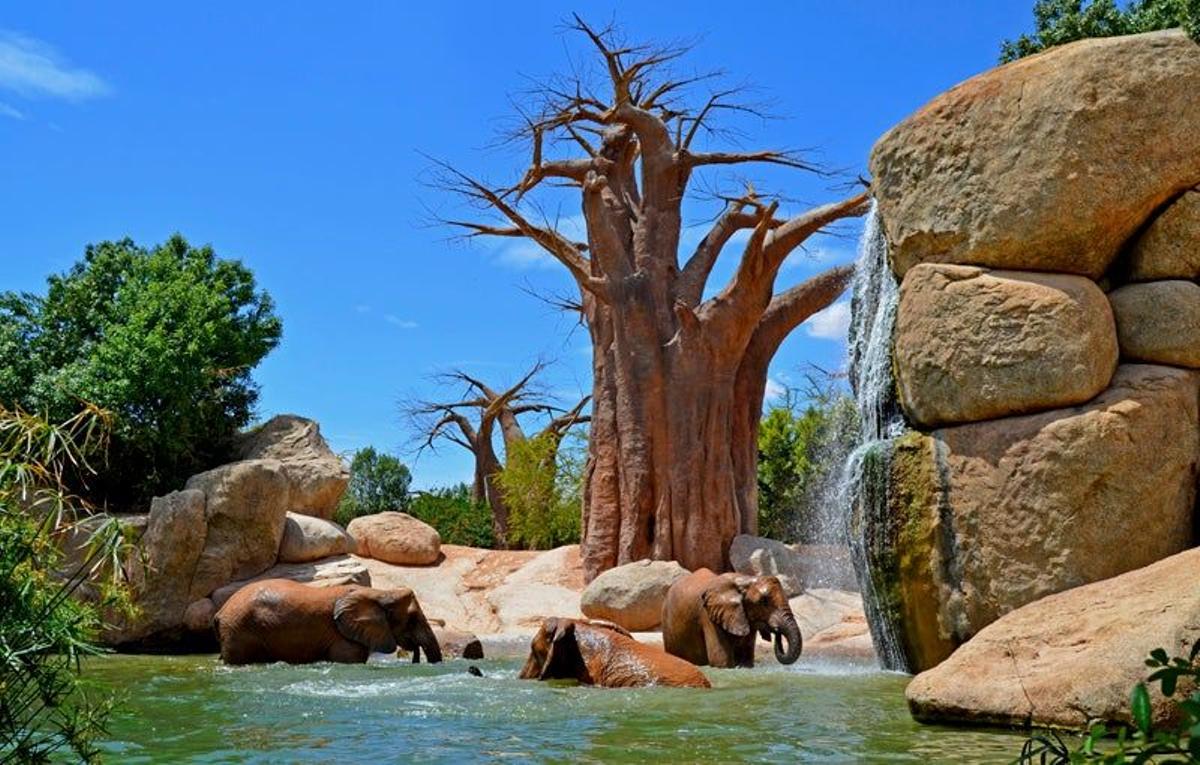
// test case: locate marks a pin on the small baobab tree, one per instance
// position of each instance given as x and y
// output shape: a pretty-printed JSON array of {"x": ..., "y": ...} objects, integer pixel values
[
  {"x": 679, "y": 376},
  {"x": 471, "y": 419}
]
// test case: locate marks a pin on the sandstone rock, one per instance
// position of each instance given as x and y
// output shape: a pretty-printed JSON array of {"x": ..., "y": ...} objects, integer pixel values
[
  {"x": 198, "y": 617},
  {"x": 1044, "y": 164},
  {"x": 631, "y": 595},
  {"x": 246, "y": 506},
  {"x": 396, "y": 538},
  {"x": 1070, "y": 657},
  {"x": 974, "y": 345},
  {"x": 457, "y": 644},
  {"x": 1170, "y": 247},
  {"x": 548, "y": 585},
  {"x": 308, "y": 538},
  {"x": 1159, "y": 322},
  {"x": 330, "y": 572},
  {"x": 318, "y": 477},
  {"x": 987, "y": 517},
  {"x": 760, "y": 556}
]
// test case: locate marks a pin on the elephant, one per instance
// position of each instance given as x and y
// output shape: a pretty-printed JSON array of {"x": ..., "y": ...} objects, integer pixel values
[
  {"x": 710, "y": 619},
  {"x": 596, "y": 652},
  {"x": 281, "y": 620}
]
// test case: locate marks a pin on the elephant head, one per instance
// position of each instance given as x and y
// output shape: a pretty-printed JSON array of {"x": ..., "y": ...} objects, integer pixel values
[
  {"x": 740, "y": 604},
  {"x": 383, "y": 619},
  {"x": 555, "y": 653}
]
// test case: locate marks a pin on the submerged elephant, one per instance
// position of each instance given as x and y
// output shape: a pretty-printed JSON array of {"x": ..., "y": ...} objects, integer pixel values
[
  {"x": 282, "y": 620},
  {"x": 711, "y": 619},
  {"x": 601, "y": 653}
]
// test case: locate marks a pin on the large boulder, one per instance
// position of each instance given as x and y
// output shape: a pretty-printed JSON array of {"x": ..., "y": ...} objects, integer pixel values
[
  {"x": 972, "y": 344},
  {"x": 306, "y": 538},
  {"x": 330, "y": 572},
  {"x": 245, "y": 511},
  {"x": 318, "y": 477},
  {"x": 1044, "y": 164},
  {"x": 631, "y": 595},
  {"x": 1159, "y": 322},
  {"x": 1169, "y": 248},
  {"x": 760, "y": 556},
  {"x": 396, "y": 538},
  {"x": 987, "y": 517},
  {"x": 458, "y": 644},
  {"x": 1071, "y": 657}
]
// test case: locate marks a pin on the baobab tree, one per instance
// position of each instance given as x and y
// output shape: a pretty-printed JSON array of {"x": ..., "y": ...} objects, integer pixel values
[
  {"x": 678, "y": 378},
  {"x": 470, "y": 420}
]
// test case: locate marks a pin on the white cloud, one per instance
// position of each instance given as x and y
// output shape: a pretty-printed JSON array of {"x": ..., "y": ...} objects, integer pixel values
[
  {"x": 775, "y": 390},
  {"x": 401, "y": 323},
  {"x": 522, "y": 254},
  {"x": 9, "y": 111},
  {"x": 30, "y": 67},
  {"x": 833, "y": 323},
  {"x": 361, "y": 308}
]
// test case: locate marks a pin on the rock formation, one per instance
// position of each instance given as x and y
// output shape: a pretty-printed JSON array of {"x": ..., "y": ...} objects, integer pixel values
[
  {"x": 396, "y": 538},
  {"x": 1044, "y": 222},
  {"x": 631, "y": 595}
]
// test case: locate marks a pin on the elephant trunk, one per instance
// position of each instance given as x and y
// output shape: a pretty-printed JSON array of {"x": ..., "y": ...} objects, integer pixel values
[
  {"x": 786, "y": 631},
  {"x": 426, "y": 641}
]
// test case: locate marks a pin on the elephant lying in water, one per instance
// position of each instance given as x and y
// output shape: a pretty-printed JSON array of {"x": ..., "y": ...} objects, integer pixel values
[
  {"x": 282, "y": 620},
  {"x": 601, "y": 653},
  {"x": 711, "y": 619}
]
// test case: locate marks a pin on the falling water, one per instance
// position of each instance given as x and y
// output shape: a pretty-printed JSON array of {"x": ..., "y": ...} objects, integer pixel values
[{"x": 864, "y": 487}]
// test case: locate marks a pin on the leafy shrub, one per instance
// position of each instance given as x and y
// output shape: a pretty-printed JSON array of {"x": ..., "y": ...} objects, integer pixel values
[
  {"x": 459, "y": 521},
  {"x": 800, "y": 455},
  {"x": 1140, "y": 742},
  {"x": 44, "y": 631},
  {"x": 1064, "y": 21},
  {"x": 163, "y": 338},
  {"x": 542, "y": 484},
  {"x": 378, "y": 482}
]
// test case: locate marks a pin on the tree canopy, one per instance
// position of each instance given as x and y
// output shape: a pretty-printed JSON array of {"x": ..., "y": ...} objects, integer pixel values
[
  {"x": 378, "y": 482},
  {"x": 1064, "y": 21}
]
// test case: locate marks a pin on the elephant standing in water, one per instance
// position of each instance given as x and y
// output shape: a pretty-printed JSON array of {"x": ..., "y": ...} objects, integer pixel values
[
  {"x": 711, "y": 619},
  {"x": 601, "y": 653},
  {"x": 282, "y": 620}
]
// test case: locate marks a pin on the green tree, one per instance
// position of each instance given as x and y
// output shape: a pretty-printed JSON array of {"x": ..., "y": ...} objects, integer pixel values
[
  {"x": 802, "y": 444},
  {"x": 378, "y": 482},
  {"x": 163, "y": 338},
  {"x": 458, "y": 518},
  {"x": 47, "y": 553},
  {"x": 542, "y": 483},
  {"x": 1063, "y": 21}
]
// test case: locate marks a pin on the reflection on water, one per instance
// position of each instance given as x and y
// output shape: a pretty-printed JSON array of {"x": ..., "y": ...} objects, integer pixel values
[{"x": 193, "y": 709}]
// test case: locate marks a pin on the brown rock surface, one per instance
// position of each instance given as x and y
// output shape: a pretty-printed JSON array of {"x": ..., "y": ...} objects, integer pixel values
[
  {"x": 458, "y": 644},
  {"x": 973, "y": 345},
  {"x": 632, "y": 595},
  {"x": 307, "y": 537},
  {"x": 1170, "y": 247},
  {"x": 330, "y": 572},
  {"x": 990, "y": 516},
  {"x": 1044, "y": 164},
  {"x": 1159, "y": 322},
  {"x": 395, "y": 538},
  {"x": 318, "y": 477},
  {"x": 1070, "y": 657}
]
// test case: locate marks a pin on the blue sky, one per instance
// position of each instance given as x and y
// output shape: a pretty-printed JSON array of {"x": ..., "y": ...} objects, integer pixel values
[{"x": 293, "y": 136}]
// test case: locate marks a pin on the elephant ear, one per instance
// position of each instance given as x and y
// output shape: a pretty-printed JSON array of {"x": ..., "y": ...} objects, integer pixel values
[
  {"x": 723, "y": 603},
  {"x": 359, "y": 616},
  {"x": 563, "y": 660}
]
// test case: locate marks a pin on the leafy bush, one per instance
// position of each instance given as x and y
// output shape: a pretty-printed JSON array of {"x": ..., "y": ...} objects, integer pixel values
[
  {"x": 378, "y": 482},
  {"x": 459, "y": 521},
  {"x": 44, "y": 631},
  {"x": 1064, "y": 21},
  {"x": 800, "y": 455},
  {"x": 1140, "y": 742},
  {"x": 542, "y": 484},
  {"x": 164, "y": 339}
]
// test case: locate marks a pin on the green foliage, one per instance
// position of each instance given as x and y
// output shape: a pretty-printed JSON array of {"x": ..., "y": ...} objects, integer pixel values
[
  {"x": 164, "y": 339},
  {"x": 1140, "y": 742},
  {"x": 378, "y": 482},
  {"x": 800, "y": 453},
  {"x": 1064, "y": 21},
  {"x": 46, "y": 556},
  {"x": 458, "y": 520},
  {"x": 542, "y": 485}
]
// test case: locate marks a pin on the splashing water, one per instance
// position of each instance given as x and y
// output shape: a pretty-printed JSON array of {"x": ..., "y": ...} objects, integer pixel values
[{"x": 864, "y": 486}]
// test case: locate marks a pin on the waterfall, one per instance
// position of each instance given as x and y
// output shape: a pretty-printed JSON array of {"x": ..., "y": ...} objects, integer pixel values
[{"x": 864, "y": 486}]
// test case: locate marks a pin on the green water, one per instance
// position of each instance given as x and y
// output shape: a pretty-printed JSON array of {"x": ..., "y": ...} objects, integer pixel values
[{"x": 193, "y": 709}]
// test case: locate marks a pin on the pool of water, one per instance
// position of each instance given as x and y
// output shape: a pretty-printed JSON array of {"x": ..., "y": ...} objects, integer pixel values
[{"x": 193, "y": 710}]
